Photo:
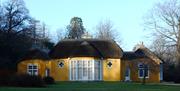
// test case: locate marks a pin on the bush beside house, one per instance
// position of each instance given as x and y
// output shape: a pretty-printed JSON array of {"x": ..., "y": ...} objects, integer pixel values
[
  {"x": 24, "y": 80},
  {"x": 48, "y": 80}
]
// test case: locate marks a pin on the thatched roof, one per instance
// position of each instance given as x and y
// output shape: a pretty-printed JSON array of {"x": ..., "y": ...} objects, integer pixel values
[
  {"x": 36, "y": 54},
  {"x": 134, "y": 55},
  {"x": 86, "y": 48},
  {"x": 141, "y": 52},
  {"x": 97, "y": 48}
]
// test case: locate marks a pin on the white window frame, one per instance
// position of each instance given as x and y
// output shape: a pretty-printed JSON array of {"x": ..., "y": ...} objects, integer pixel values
[
  {"x": 92, "y": 62},
  {"x": 143, "y": 71},
  {"x": 28, "y": 70}
]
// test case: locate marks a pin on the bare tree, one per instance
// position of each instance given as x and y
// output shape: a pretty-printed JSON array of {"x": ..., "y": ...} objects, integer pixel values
[
  {"x": 106, "y": 30},
  {"x": 162, "y": 50},
  {"x": 18, "y": 30},
  {"x": 40, "y": 34},
  {"x": 15, "y": 16},
  {"x": 164, "y": 20},
  {"x": 61, "y": 34}
]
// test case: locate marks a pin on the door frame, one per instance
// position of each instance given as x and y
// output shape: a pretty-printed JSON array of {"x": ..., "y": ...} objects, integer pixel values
[{"x": 128, "y": 78}]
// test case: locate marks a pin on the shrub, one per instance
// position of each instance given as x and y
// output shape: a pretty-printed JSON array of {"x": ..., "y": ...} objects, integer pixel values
[
  {"x": 26, "y": 81},
  {"x": 48, "y": 80},
  {"x": 5, "y": 74},
  {"x": 168, "y": 72},
  {"x": 4, "y": 80},
  {"x": 177, "y": 74}
]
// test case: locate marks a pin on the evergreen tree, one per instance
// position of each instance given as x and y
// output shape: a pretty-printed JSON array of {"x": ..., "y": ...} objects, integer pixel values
[{"x": 75, "y": 28}]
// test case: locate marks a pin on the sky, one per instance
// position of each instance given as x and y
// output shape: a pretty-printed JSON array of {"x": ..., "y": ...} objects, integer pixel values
[{"x": 126, "y": 16}]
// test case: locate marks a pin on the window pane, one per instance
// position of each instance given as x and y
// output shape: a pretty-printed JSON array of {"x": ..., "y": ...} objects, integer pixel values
[
  {"x": 34, "y": 66},
  {"x": 71, "y": 70},
  {"x": 79, "y": 70},
  {"x": 73, "y": 75},
  {"x": 146, "y": 72},
  {"x": 85, "y": 70},
  {"x": 140, "y": 66},
  {"x": 35, "y": 72},
  {"x": 127, "y": 72},
  {"x": 109, "y": 64},
  {"x": 99, "y": 70},
  {"x": 30, "y": 72},
  {"x": 90, "y": 70},
  {"x": 30, "y": 67},
  {"x": 61, "y": 64},
  {"x": 141, "y": 72},
  {"x": 89, "y": 74}
]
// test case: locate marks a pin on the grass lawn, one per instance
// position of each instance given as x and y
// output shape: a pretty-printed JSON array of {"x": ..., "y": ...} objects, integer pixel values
[{"x": 97, "y": 86}]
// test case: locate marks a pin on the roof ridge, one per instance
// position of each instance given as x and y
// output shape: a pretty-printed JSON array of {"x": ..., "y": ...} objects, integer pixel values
[
  {"x": 86, "y": 47},
  {"x": 97, "y": 49}
]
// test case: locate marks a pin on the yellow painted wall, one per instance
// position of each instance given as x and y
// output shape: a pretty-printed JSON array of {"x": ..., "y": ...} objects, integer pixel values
[
  {"x": 58, "y": 73},
  {"x": 112, "y": 73},
  {"x": 62, "y": 74},
  {"x": 115, "y": 73},
  {"x": 22, "y": 66},
  {"x": 154, "y": 70}
]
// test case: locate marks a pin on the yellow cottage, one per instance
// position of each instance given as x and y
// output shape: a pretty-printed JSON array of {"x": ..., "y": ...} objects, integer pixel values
[{"x": 92, "y": 60}]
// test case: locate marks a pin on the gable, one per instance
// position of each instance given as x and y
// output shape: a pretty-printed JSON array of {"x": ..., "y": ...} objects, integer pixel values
[
  {"x": 141, "y": 53},
  {"x": 149, "y": 54}
]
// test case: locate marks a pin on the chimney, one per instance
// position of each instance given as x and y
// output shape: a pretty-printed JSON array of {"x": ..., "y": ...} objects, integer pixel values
[{"x": 139, "y": 45}]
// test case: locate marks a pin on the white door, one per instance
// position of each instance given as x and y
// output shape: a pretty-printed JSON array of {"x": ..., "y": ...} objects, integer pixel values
[
  {"x": 127, "y": 74},
  {"x": 47, "y": 71}
]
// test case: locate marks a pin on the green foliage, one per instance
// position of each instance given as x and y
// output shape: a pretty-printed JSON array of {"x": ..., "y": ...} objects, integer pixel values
[
  {"x": 171, "y": 72},
  {"x": 18, "y": 33},
  {"x": 12, "y": 48},
  {"x": 48, "y": 80},
  {"x": 177, "y": 74},
  {"x": 22, "y": 81},
  {"x": 26, "y": 81},
  {"x": 75, "y": 28},
  {"x": 4, "y": 79},
  {"x": 14, "y": 32}
]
